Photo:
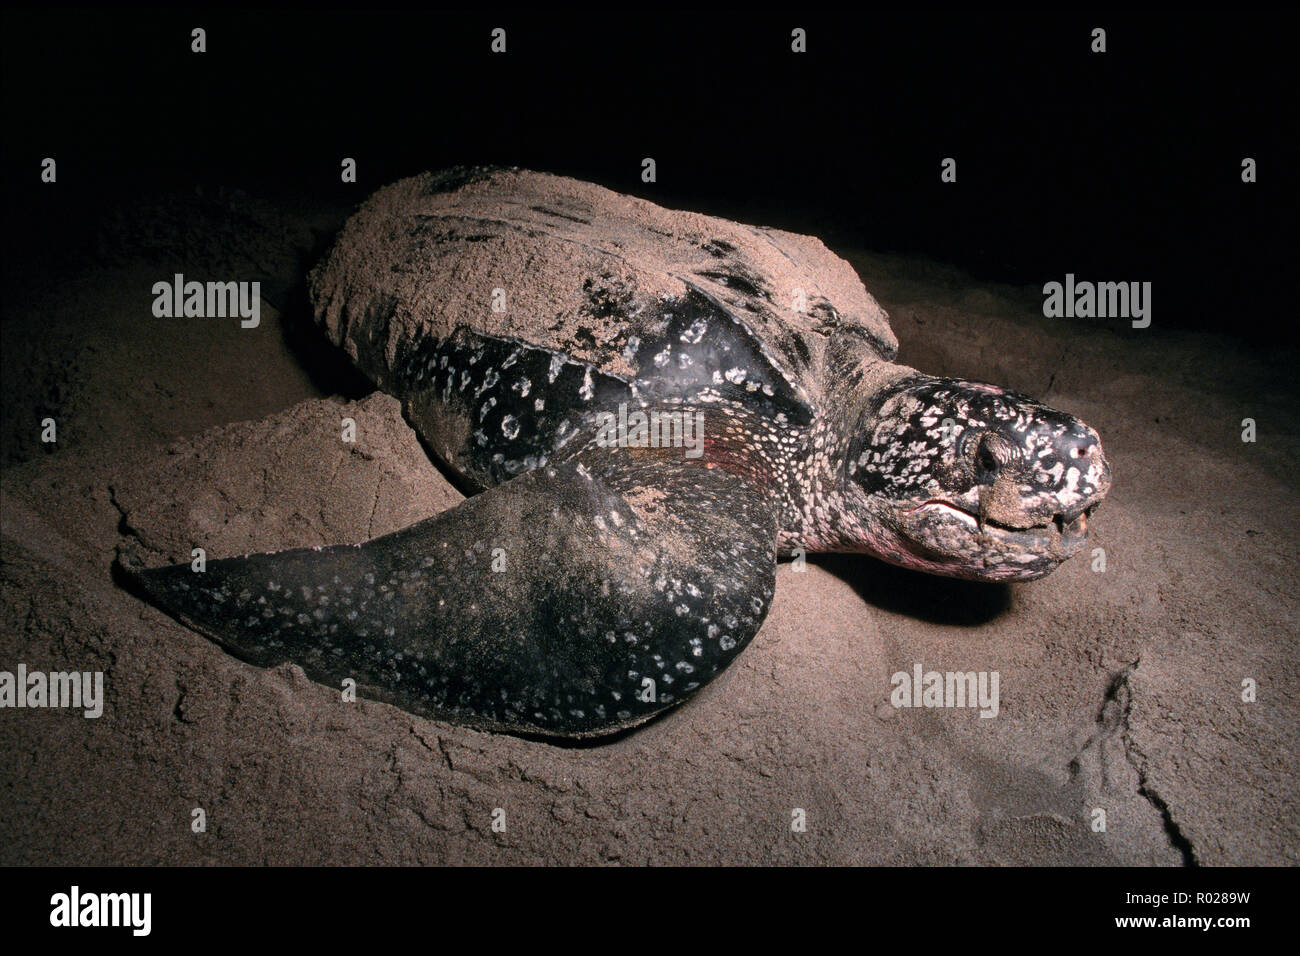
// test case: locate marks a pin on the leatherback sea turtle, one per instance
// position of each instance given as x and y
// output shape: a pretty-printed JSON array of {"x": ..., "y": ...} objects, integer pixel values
[{"x": 650, "y": 406}]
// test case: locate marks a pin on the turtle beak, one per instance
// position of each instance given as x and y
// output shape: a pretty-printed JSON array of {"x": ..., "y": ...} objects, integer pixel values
[
  {"x": 1087, "y": 476},
  {"x": 1047, "y": 484},
  {"x": 1061, "y": 480}
]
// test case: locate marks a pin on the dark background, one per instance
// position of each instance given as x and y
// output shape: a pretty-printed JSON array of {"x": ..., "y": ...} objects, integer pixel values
[{"x": 1123, "y": 166}]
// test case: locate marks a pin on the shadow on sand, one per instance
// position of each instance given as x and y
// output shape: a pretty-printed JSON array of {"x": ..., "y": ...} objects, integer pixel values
[{"x": 926, "y": 597}]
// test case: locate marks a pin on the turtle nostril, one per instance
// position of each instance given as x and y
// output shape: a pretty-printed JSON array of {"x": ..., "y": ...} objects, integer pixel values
[{"x": 1079, "y": 447}]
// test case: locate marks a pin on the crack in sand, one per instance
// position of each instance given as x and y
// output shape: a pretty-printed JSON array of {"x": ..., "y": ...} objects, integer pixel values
[
  {"x": 1113, "y": 719},
  {"x": 124, "y": 526},
  {"x": 374, "y": 505},
  {"x": 327, "y": 497},
  {"x": 1122, "y": 694},
  {"x": 441, "y": 750}
]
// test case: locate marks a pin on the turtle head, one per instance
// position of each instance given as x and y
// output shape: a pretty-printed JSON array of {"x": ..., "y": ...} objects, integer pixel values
[{"x": 972, "y": 481}]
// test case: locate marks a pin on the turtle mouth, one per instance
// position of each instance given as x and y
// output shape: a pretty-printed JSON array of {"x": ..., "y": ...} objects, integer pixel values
[{"x": 1058, "y": 533}]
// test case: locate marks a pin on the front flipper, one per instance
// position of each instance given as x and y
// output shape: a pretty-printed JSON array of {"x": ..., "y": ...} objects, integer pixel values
[{"x": 575, "y": 600}]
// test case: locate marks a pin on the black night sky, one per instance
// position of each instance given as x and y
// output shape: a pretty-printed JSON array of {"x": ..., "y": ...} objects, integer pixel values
[{"x": 1123, "y": 166}]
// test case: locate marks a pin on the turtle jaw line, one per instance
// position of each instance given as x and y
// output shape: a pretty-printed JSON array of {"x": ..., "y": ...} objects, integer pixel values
[{"x": 1060, "y": 531}]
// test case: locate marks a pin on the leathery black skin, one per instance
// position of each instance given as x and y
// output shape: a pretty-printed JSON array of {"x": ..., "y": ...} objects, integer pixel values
[
  {"x": 633, "y": 565},
  {"x": 591, "y": 584}
]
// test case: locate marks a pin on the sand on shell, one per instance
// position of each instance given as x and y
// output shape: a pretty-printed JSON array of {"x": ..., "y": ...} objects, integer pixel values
[{"x": 1119, "y": 690}]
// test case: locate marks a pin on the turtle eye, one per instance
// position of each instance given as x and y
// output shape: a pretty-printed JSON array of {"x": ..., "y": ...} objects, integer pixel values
[{"x": 985, "y": 458}]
